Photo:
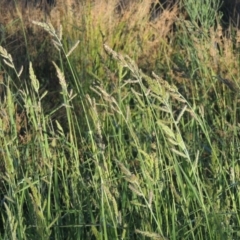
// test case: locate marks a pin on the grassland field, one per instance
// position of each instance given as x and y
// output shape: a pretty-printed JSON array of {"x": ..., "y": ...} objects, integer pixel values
[{"x": 117, "y": 122}]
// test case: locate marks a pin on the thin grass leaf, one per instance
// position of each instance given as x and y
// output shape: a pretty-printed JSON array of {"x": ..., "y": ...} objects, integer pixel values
[
  {"x": 59, "y": 127},
  {"x": 96, "y": 233},
  {"x": 54, "y": 221},
  {"x": 180, "y": 142},
  {"x": 172, "y": 141},
  {"x": 20, "y": 71},
  {"x": 8, "y": 63},
  {"x": 179, "y": 153},
  {"x": 43, "y": 95},
  {"x": 56, "y": 45},
  {"x": 73, "y": 48},
  {"x": 137, "y": 95}
]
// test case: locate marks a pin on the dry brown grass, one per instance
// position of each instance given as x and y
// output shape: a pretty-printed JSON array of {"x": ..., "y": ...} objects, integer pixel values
[
  {"x": 21, "y": 38},
  {"x": 140, "y": 38},
  {"x": 130, "y": 32},
  {"x": 219, "y": 53},
  {"x": 133, "y": 23},
  {"x": 125, "y": 26}
]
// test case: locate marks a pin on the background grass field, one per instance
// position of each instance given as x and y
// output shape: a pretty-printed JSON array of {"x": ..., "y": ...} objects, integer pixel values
[{"x": 118, "y": 124}]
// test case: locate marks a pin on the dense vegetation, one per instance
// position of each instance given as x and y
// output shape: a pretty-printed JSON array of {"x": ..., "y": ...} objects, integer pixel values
[{"x": 117, "y": 125}]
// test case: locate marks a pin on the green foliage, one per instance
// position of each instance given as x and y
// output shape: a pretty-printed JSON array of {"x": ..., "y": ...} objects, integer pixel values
[
  {"x": 123, "y": 154},
  {"x": 204, "y": 12}
]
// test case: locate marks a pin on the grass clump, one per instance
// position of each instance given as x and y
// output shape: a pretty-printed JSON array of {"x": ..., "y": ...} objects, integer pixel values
[{"x": 132, "y": 133}]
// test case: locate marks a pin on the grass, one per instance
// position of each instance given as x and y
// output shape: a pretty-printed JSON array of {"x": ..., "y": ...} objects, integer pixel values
[{"x": 117, "y": 127}]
